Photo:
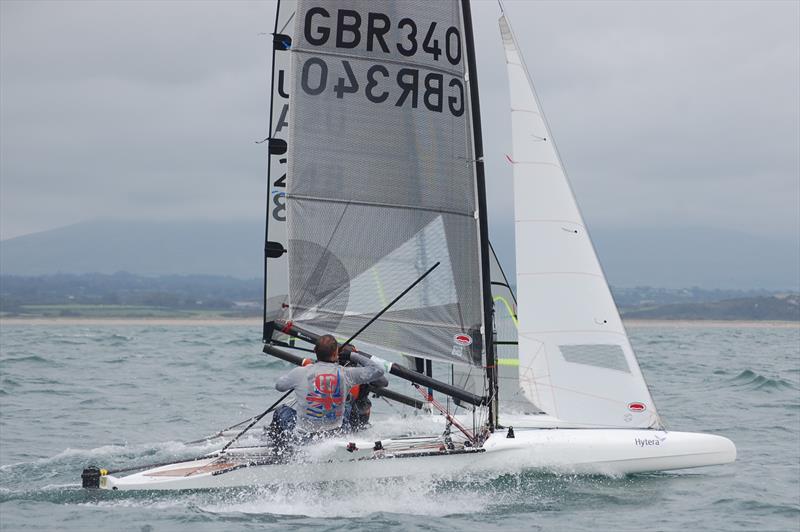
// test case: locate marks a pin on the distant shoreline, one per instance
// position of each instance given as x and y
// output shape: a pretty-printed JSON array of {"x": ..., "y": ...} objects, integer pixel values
[
  {"x": 256, "y": 322},
  {"x": 131, "y": 321},
  {"x": 744, "y": 324}
]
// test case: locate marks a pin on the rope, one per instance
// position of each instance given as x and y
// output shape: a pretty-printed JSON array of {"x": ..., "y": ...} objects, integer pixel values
[
  {"x": 445, "y": 413},
  {"x": 256, "y": 420}
]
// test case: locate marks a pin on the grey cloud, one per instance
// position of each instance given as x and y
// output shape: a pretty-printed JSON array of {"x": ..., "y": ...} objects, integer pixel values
[
  {"x": 687, "y": 110},
  {"x": 665, "y": 113}
]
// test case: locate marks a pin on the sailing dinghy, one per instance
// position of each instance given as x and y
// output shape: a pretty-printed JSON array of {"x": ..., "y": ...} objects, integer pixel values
[{"x": 376, "y": 178}]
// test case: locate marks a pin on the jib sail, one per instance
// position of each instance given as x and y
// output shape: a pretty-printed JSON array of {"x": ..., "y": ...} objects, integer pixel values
[{"x": 575, "y": 360}]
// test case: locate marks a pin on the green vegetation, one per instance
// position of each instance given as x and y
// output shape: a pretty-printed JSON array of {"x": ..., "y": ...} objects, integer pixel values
[
  {"x": 124, "y": 295},
  {"x": 119, "y": 311},
  {"x": 774, "y": 308}
]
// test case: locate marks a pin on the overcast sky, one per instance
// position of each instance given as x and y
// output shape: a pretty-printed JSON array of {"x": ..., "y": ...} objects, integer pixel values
[{"x": 667, "y": 114}]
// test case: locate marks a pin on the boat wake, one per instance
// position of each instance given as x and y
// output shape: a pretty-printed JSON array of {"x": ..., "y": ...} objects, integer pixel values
[
  {"x": 410, "y": 496},
  {"x": 415, "y": 495},
  {"x": 415, "y": 491},
  {"x": 49, "y": 477}
]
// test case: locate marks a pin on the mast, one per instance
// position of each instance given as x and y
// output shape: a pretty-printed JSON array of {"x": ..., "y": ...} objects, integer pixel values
[
  {"x": 265, "y": 332},
  {"x": 275, "y": 239},
  {"x": 488, "y": 312}
]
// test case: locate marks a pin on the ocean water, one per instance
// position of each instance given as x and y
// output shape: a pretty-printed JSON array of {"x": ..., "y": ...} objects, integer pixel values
[{"x": 119, "y": 394}]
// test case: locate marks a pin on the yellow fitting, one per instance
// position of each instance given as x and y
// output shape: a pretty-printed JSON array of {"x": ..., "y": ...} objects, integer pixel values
[{"x": 103, "y": 472}]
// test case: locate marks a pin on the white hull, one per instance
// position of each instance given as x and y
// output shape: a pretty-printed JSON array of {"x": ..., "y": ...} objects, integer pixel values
[{"x": 581, "y": 451}]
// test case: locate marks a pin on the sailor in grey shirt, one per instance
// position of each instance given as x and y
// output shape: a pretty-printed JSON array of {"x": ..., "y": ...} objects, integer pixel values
[{"x": 321, "y": 388}]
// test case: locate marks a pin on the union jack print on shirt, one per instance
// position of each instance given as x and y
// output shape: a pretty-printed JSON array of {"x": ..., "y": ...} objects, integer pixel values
[{"x": 322, "y": 402}]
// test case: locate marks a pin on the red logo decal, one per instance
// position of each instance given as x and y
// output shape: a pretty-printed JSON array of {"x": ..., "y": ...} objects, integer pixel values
[
  {"x": 462, "y": 339},
  {"x": 637, "y": 407},
  {"x": 326, "y": 383}
]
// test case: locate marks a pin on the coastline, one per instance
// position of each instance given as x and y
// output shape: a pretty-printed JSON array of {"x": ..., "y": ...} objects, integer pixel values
[
  {"x": 741, "y": 324},
  {"x": 176, "y": 321},
  {"x": 256, "y": 321}
]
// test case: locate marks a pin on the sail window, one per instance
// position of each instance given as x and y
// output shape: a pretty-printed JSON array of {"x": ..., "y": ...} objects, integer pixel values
[{"x": 609, "y": 356}]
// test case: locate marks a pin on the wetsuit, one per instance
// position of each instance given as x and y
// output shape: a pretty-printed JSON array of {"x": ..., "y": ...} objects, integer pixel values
[{"x": 359, "y": 407}]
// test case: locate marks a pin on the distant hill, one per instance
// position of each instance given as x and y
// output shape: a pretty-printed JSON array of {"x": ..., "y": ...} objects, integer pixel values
[
  {"x": 127, "y": 295},
  {"x": 784, "y": 308},
  {"x": 145, "y": 248},
  {"x": 631, "y": 256},
  {"x": 641, "y": 297},
  {"x": 702, "y": 257},
  {"x": 124, "y": 294}
]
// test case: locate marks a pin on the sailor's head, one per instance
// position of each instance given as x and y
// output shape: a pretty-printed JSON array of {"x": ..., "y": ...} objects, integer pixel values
[{"x": 327, "y": 349}]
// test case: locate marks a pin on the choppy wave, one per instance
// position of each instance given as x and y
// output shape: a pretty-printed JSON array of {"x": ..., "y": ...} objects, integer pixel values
[
  {"x": 52, "y": 474},
  {"x": 112, "y": 339},
  {"x": 754, "y": 381},
  {"x": 27, "y": 359},
  {"x": 119, "y": 407},
  {"x": 750, "y": 504},
  {"x": 243, "y": 342}
]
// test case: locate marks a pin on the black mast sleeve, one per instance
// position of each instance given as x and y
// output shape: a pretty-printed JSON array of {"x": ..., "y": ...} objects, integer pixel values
[
  {"x": 266, "y": 332},
  {"x": 488, "y": 304}
]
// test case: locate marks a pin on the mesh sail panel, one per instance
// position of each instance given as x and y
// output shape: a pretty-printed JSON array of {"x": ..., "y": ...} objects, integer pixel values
[
  {"x": 511, "y": 396},
  {"x": 382, "y": 177}
]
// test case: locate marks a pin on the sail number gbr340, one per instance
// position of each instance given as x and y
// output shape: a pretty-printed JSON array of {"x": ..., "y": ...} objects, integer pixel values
[{"x": 412, "y": 87}]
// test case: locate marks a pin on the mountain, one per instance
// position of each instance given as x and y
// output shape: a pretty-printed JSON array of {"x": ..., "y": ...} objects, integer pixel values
[
  {"x": 631, "y": 256},
  {"x": 144, "y": 248},
  {"x": 697, "y": 256},
  {"x": 123, "y": 295}
]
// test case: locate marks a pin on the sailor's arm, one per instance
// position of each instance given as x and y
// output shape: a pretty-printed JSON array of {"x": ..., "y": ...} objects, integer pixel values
[
  {"x": 380, "y": 382},
  {"x": 288, "y": 381},
  {"x": 369, "y": 372}
]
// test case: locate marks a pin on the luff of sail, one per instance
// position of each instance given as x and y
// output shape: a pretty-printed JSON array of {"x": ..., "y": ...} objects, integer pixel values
[
  {"x": 382, "y": 178},
  {"x": 276, "y": 264},
  {"x": 511, "y": 397},
  {"x": 575, "y": 360}
]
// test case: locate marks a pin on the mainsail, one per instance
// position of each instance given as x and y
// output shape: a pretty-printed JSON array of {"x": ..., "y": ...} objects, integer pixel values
[
  {"x": 575, "y": 360},
  {"x": 383, "y": 181}
]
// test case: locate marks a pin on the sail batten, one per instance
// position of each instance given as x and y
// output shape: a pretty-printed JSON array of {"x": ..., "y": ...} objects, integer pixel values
[
  {"x": 432, "y": 68},
  {"x": 380, "y": 204}
]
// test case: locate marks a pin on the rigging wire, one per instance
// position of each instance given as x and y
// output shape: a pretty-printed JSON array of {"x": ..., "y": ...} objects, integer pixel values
[
  {"x": 256, "y": 420},
  {"x": 450, "y": 419}
]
